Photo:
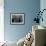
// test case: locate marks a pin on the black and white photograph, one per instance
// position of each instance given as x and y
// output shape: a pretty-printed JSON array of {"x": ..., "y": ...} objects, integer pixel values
[{"x": 17, "y": 18}]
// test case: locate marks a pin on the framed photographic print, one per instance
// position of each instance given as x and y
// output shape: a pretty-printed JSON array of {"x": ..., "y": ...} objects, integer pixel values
[{"x": 17, "y": 18}]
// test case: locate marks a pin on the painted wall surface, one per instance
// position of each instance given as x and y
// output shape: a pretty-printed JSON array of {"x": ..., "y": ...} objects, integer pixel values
[
  {"x": 29, "y": 7},
  {"x": 43, "y": 6}
]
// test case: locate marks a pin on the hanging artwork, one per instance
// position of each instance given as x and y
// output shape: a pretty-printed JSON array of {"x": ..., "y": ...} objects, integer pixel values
[{"x": 17, "y": 18}]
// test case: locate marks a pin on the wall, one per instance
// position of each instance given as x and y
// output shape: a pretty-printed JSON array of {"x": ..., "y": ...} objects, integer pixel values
[
  {"x": 29, "y": 7},
  {"x": 42, "y": 6}
]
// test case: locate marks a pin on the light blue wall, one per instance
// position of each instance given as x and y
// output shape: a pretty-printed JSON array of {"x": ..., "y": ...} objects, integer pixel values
[
  {"x": 43, "y": 6},
  {"x": 29, "y": 7}
]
